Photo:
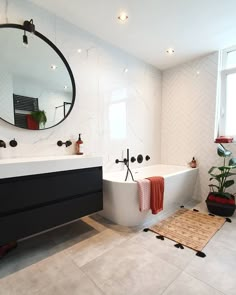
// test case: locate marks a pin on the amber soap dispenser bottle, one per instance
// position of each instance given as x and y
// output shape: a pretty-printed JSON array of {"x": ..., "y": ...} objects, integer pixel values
[{"x": 79, "y": 146}]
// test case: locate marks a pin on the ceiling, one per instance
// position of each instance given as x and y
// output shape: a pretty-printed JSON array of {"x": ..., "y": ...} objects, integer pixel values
[{"x": 192, "y": 27}]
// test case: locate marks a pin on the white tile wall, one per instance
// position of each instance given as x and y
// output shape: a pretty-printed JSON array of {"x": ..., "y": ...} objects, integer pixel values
[
  {"x": 100, "y": 79},
  {"x": 188, "y": 116}
]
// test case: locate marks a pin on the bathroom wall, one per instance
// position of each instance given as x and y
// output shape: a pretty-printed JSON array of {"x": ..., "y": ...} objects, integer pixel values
[
  {"x": 107, "y": 96},
  {"x": 188, "y": 117}
]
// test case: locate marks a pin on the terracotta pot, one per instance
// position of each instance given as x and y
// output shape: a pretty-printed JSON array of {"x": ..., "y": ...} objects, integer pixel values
[{"x": 219, "y": 205}]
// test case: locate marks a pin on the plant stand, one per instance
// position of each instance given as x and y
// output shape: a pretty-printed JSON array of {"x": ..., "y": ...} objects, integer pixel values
[{"x": 221, "y": 208}]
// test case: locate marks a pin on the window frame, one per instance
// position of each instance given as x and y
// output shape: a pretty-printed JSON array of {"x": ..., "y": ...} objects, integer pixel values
[{"x": 223, "y": 91}]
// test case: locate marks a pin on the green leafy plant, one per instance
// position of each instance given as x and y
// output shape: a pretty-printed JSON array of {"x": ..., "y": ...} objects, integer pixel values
[
  {"x": 39, "y": 116},
  {"x": 221, "y": 174}
]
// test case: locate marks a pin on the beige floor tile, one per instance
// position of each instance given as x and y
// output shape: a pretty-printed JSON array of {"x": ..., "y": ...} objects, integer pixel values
[
  {"x": 97, "y": 245},
  {"x": 26, "y": 254},
  {"x": 226, "y": 236},
  {"x": 95, "y": 257},
  {"x": 59, "y": 267},
  {"x": 71, "y": 234},
  {"x": 217, "y": 269},
  {"x": 165, "y": 249},
  {"x": 71, "y": 285},
  {"x": 93, "y": 223},
  {"x": 130, "y": 269},
  {"x": 24, "y": 282},
  {"x": 187, "y": 285}
]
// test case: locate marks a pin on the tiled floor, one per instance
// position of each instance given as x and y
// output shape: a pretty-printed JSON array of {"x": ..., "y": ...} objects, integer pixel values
[{"x": 95, "y": 257}]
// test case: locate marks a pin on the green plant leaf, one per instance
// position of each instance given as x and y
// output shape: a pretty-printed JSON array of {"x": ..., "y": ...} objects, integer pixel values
[
  {"x": 230, "y": 174},
  {"x": 228, "y": 183},
  {"x": 222, "y": 152},
  {"x": 39, "y": 116},
  {"x": 218, "y": 176},
  {"x": 212, "y": 169},
  {"x": 213, "y": 185},
  {"x": 232, "y": 162},
  {"x": 222, "y": 168}
]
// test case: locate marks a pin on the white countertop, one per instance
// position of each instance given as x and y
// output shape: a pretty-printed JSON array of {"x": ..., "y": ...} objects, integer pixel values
[{"x": 14, "y": 167}]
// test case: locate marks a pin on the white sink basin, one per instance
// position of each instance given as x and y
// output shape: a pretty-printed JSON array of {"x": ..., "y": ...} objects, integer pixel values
[{"x": 38, "y": 165}]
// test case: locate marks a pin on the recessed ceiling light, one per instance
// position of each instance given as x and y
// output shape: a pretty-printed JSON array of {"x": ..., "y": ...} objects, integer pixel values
[
  {"x": 65, "y": 87},
  {"x": 170, "y": 51},
  {"x": 126, "y": 70},
  {"x": 123, "y": 17},
  {"x": 79, "y": 50},
  {"x": 198, "y": 72},
  {"x": 53, "y": 67}
]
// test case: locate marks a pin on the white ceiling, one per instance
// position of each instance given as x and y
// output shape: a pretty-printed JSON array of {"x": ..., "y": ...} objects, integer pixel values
[{"x": 192, "y": 27}]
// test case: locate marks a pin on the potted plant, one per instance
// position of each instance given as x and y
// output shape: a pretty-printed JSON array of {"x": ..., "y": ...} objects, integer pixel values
[
  {"x": 39, "y": 116},
  {"x": 219, "y": 201}
]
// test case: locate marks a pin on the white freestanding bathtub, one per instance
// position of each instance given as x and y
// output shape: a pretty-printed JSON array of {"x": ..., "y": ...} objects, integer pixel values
[{"x": 121, "y": 201}]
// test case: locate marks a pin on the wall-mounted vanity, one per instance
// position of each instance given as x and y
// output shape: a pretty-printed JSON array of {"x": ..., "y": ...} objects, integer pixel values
[
  {"x": 40, "y": 193},
  {"x": 37, "y": 194}
]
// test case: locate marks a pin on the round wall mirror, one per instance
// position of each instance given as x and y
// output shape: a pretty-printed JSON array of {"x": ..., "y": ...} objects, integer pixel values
[{"x": 37, "y": 87}]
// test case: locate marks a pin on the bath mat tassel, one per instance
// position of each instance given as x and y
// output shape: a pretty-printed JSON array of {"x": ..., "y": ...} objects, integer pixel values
[
  {"x": 201, "y": 254},
  {"x": 160, "y": 237},
  {"x": 180, "y": 246}
]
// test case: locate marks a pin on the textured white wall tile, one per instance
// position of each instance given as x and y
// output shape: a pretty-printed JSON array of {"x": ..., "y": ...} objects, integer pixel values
[{"x": 188, "y": 116}]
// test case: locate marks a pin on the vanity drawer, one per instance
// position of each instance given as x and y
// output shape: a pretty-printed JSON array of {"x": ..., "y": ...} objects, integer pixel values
[
  {"x": 23, "y": 224},
  {"x": 28, "y": 192}
]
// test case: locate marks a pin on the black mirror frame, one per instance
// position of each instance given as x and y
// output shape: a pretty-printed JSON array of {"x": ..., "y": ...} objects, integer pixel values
[{"x": 53, "y": 46}]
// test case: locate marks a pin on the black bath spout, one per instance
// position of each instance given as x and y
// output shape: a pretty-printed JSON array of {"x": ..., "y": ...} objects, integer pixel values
[
  {"x": 126, "y": 162},
  {"x": 2, "y": 144}
]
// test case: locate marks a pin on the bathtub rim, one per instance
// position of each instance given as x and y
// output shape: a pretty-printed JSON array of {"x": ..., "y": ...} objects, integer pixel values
[{"x": 123, "y": 172}]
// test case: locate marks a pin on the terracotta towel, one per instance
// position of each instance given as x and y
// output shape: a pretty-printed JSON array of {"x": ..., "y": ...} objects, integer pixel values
[
  {"x": 157, "y": 193},
  {"x": 144, "y": 189}
]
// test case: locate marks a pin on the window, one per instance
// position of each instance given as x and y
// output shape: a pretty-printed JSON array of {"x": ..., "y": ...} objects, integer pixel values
[
  {"x": 117, "y": 120},
  {"x": 227, "y": 114}
]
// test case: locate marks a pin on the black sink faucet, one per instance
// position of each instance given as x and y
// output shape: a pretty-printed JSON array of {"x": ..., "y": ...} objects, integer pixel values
[{"x": 2, "y": 144}]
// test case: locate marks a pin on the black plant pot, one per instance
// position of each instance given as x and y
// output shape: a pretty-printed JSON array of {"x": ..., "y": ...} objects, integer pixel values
[{"x": 219, "y": 208}]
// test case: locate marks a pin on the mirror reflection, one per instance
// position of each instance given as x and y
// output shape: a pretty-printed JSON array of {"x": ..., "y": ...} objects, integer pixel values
[{"x": 36, "y": 88}]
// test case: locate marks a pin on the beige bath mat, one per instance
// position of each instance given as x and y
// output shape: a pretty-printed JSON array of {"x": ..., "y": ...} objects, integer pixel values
[{"x": 189, "y": 228}]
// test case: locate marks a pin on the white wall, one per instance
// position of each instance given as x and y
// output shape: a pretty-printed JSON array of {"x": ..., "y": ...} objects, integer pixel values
[
  {"x": 188, "y": 117},
  {"x": 100, "y": 79}
]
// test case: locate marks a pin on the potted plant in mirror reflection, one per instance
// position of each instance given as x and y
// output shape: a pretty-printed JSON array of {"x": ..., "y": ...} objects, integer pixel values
[
  {"x": 40, "y": 117},
  {"x": 219, "y": 201}
]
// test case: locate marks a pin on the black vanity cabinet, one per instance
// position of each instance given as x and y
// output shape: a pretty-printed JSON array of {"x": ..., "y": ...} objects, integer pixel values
[{"x": 31, "y": 204}]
